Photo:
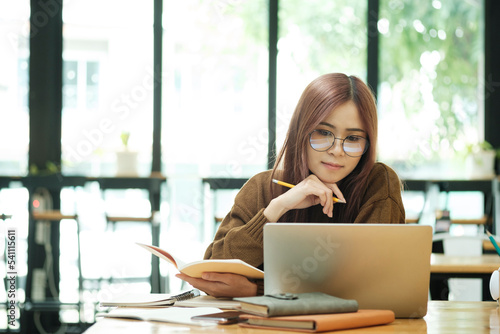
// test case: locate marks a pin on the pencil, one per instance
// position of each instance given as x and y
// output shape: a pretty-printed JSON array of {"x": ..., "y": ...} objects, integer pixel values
[
  {"x": 285, "y": 184},
  {"x": 493, "y": 241}
]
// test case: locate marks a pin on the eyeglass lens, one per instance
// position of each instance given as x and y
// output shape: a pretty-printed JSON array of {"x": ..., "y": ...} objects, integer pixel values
[{"x": 322, "y": 140}]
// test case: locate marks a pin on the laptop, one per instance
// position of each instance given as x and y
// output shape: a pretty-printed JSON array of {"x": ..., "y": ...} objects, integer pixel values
[{"x": 382, "y": 266}]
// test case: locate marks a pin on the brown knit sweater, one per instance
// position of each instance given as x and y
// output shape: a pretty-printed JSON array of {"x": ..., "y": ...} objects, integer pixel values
[{"x": 240, "y": 235}]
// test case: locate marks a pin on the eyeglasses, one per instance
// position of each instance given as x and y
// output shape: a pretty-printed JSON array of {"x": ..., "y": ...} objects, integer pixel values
[{"x": 323, "y": 140}]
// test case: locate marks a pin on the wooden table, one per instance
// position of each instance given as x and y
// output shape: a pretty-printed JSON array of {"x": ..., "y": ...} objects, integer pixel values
[
  {"x": 446, "y": 264},
  {"x": 442, "y": 317}
]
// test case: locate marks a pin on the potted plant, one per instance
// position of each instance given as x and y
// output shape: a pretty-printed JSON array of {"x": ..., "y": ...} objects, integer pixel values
[
  {"x": 480, "y": 160},
  {"x": 126, "y": 160}
]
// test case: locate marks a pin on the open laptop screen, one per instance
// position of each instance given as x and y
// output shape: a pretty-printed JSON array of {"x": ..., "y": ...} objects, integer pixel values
[{"x": 382, "y": 266}]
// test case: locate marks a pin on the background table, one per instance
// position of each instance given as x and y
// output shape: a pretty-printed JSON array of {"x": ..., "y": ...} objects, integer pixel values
[{"x": 446, "y": 266}]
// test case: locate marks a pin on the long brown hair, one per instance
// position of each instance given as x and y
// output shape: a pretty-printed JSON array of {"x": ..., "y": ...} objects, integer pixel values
[{"x": 319, "y": 99}]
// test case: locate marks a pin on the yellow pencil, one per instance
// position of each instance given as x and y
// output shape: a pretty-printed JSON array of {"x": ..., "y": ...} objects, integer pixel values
[{"x": 285, "y": 184}]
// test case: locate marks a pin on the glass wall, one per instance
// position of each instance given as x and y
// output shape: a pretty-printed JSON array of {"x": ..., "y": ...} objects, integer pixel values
[
  {"x": 431, "y": 96},
  {"x": 107, "y": 122},
  {"x": 316, "y": 37},
  {"x": 14, "y": 116},
  {"x": 215, "y": 87},
  {"x": 215, "y": 93},
  {"x": 107, "y": 87}
]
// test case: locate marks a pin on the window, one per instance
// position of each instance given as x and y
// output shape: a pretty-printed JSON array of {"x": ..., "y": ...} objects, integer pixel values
[
  {"x": 430, "y": 96},
  {"x": 316, "y": 38},
  {"x": 14, "y": 43},
  {"x": 81, "y": 85},
  {"x": 215, "y": 88},
  {"x": 107, "y": 86}
]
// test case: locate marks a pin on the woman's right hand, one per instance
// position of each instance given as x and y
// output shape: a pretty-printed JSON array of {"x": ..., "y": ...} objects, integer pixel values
[
  {"x": 309, "y": 192},
  {"x": 222, "y": 284}
]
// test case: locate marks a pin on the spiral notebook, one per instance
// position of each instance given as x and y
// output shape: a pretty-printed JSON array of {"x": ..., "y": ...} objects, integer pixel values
[{"x": 148, "y": 299}]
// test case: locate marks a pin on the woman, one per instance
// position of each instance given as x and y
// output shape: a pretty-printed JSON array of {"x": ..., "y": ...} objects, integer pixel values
[{"x": 329, "y": 150}]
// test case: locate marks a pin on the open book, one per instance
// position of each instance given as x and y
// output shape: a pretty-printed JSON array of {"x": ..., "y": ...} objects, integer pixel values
[
  {"x": 209, "y": 301},
  {"x": 195, "y": 269},
  {"x": 179, "y": 315}
]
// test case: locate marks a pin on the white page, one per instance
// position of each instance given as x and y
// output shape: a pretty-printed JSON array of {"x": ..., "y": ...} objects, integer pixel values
[{"x": 179, "y": 315}]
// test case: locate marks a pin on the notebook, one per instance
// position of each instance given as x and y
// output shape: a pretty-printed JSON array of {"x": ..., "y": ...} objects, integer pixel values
[{"x": 382, "y": 266}]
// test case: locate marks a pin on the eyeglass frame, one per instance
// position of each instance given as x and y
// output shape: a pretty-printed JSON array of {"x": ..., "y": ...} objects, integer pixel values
[{"x": 343, "y": 141}]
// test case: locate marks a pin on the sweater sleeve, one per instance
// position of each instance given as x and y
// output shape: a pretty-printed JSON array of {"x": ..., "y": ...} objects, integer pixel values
[
  {"x": 382, "y": 202},
  {"x": 240, "y": 235}
]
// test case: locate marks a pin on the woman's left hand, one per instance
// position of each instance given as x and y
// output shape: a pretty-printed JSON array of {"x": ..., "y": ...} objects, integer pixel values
[{"x": 222, "y": 285}]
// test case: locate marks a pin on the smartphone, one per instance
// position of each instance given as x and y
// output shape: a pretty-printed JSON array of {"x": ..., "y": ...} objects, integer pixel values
[{"x": 221, "y": 318}]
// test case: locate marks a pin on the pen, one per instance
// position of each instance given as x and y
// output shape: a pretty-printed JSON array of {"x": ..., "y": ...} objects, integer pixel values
[
  {"x": 335, "y": 199},
  {"x": 493, "y": 241}
]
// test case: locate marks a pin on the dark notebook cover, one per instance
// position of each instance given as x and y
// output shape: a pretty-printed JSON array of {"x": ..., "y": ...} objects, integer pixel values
[{"x": 293, "y": 304}]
